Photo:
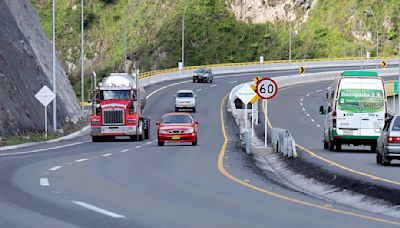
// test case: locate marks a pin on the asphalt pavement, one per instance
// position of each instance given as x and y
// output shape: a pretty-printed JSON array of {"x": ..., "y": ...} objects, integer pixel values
[{"x": 77, "y": 183}]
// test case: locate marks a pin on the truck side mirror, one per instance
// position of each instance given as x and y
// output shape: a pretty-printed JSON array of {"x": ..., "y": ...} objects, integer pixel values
[{"x": 322, "y": 110}]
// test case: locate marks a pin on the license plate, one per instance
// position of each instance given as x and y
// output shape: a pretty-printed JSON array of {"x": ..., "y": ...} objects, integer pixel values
[
  {"x": 176, "y": 137},
  {"x": 348, "y": 132}
]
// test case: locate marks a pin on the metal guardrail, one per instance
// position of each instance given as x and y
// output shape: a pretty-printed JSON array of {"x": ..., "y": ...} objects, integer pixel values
[
  {"x": 171, "y": 70},
  {"x": 283, "y": 142}
]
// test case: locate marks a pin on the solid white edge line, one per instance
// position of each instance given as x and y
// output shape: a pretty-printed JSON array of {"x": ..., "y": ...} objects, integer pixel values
[
  {"x": 44, "y": 182},
  {"x": 98, "y": 209},
  {"x": 44, "y": 149},
  {"x": 82, "y": 160},
  {"x": 105, "y": 155},
  {"x": 55, "y": 168}
]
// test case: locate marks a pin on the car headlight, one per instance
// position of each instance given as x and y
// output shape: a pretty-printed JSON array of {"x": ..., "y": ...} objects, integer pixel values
[
  {"x": 189, "y": 131},
  {"x": 95, "y": 121},
  {"x": 163, "y": 131}
]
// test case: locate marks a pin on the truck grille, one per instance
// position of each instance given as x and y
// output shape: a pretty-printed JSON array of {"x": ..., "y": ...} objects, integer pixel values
[{"x": 113, "y": 117}]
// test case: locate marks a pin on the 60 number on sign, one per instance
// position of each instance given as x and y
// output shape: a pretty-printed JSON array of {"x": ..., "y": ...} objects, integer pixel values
[{"x": 266, "y": 88}]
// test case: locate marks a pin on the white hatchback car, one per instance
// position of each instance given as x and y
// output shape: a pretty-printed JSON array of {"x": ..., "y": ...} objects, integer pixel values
[{"x": 185, "y": 99}]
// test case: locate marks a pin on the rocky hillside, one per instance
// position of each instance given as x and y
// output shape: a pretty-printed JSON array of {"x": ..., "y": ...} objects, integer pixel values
[
  {"x": 25, "y": 66},
  {"x": 217, "y": 31}
]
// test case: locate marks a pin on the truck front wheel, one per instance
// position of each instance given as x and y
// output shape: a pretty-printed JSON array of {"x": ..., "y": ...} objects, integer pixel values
[{"x": 96, "y": 139}]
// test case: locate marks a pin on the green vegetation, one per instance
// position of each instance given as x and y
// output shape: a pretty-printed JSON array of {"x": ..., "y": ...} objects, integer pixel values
[
  {"x": 212, "y": 35},
  {"x": 33, "y": 137}
]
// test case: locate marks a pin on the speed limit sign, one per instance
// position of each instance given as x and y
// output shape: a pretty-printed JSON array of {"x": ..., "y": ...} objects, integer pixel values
[{"x": 266, "y": 88}]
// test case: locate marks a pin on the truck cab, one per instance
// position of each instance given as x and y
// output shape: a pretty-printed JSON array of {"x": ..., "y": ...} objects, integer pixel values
[{"x": 117, "y": 109}]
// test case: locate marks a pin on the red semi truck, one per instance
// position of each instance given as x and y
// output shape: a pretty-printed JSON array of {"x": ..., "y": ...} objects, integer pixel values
[{"x": 117, "y": 109}]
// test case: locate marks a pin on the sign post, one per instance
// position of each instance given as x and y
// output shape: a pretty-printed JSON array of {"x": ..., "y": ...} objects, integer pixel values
[
  {"x": 266, "y": 88},
  {"x": 45, "y": 96},
  {"x": 180, "y": 67},
  {"x": 245, "y": 94}
]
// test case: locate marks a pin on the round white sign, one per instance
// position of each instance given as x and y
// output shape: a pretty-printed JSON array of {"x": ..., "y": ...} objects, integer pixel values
[{"x": 266, "y": 88}]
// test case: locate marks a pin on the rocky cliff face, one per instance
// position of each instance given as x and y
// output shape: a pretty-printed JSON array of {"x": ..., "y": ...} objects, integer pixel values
[
  {"x": 25, "y": 66},
  {"x": 262, "y": 11}
]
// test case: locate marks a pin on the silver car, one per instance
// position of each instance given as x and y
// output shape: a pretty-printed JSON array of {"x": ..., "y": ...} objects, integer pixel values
[
  {"x": 388, "y": 144},
  {"x": 185, "y": 99}
]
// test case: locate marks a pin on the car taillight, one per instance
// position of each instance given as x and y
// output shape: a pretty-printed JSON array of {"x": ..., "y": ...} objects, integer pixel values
[
  {"x": 334, "y": 119},
  {"x": 394, "y": 139}
]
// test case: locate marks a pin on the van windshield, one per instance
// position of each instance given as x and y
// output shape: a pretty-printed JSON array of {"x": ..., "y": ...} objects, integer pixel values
[{"x": 361, "y": 100}]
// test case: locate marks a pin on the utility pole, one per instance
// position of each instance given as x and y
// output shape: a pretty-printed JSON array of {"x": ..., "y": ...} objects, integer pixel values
[
  {"x": 54, "y": 69},
  {"x": 82, "y": 58}
]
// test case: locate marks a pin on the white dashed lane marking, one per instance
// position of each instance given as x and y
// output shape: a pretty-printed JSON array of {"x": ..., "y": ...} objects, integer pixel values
[
  {"x": 123, "y": 151},
  {"x": 55, "y": 168},
  {"x": 199, "y": 90},
  {"x": 232, "y": 82},
  {"x": 82, "y": 160},
  {"x": 149, "y": 143},
  {"x": 318, "y": 125},
  {"x": 44, "y": 182},
  {"x": 213, "y": 86},
  {"x": 105, "y": 155},
  {"x": 98, "y": 209},
  {"x": 138, "y": 146}
]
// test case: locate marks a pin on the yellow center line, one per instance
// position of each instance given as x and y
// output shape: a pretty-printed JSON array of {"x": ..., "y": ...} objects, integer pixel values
[
  {"x": 224, "y": 172},
  {"x": 332, "y": 163}
]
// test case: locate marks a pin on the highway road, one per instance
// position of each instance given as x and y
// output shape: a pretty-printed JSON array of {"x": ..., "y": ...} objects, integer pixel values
[
  {"x": 77, "y": 183},
  {"x": 301, "y": 107}
]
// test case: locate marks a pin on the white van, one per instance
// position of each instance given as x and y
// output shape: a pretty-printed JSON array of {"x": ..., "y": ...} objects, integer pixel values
[{"x": 355, "y": 112}]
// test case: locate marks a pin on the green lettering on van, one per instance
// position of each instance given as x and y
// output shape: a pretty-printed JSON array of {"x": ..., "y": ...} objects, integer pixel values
[{"x": 361, "y": 100}]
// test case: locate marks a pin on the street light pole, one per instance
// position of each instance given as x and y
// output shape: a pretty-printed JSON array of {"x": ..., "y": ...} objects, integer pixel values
[
  {"x": 398, "y": 89},
  {"x": 290, "y": 40},
  {"x": 361, "y": 47},
  {"x": 377, "y": 33},
  {"x": 183, "y": 38},
  {"x": 125, "y": 55},
  {"x": 82, "y": 58},
  {"x": 54, "y": 69}
]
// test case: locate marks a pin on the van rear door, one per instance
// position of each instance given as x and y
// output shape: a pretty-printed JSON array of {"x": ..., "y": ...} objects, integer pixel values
[
  {"x": 373, "y": 106},
  {"x": 348, "y": 106}
]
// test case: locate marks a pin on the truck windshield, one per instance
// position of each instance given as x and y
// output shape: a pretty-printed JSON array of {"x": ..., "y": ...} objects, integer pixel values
[
  {"x": 116, "y": 94},
  {"x": 361, "y": 100}
]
